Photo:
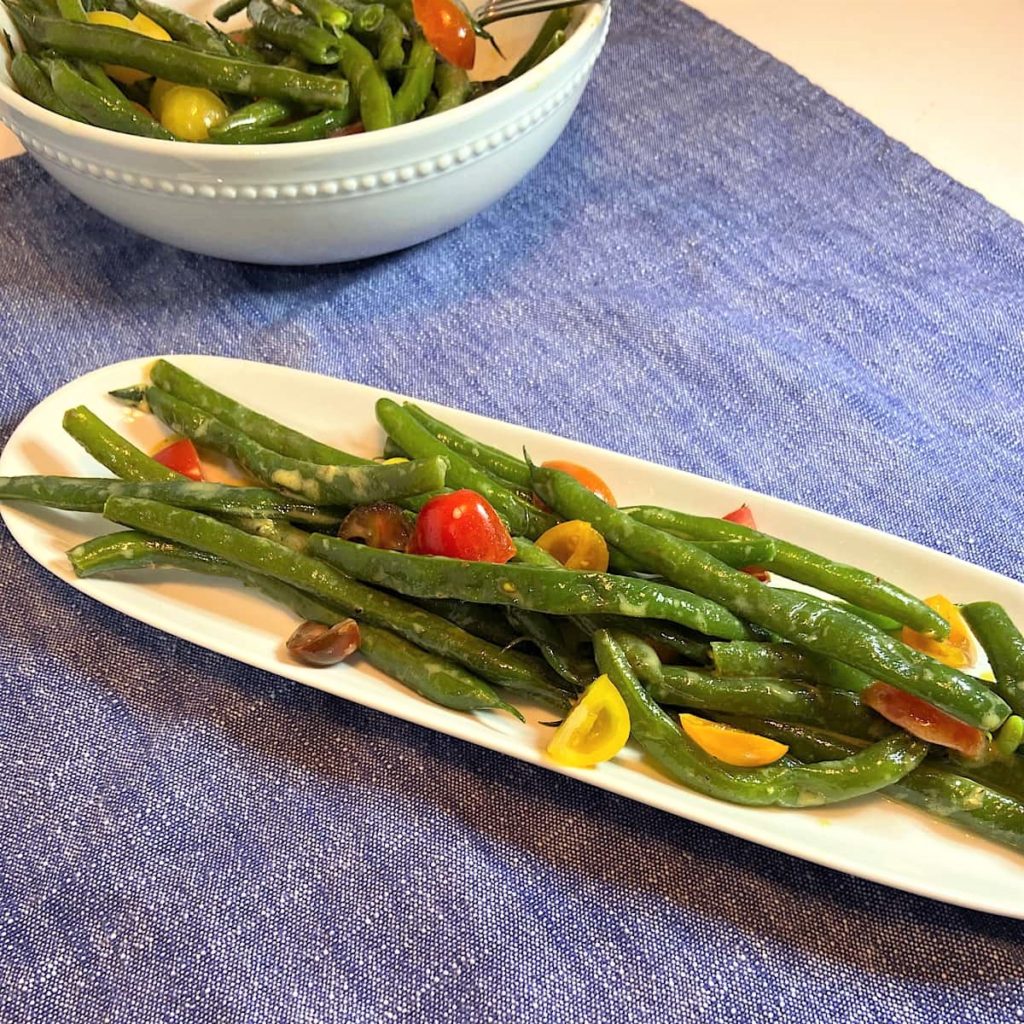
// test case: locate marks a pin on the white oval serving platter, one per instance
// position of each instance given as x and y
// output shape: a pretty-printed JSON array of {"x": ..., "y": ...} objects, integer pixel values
[{"x": 872, "y": 838}]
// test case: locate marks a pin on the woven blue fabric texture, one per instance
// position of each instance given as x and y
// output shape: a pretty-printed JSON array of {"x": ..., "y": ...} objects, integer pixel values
[{"x": 718, "y": 267}]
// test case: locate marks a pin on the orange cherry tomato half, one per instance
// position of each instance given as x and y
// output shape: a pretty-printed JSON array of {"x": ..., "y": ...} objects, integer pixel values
[
  {"x": 958, "y": 649},
  {"x": 924, "y": 720},
  {"x": 584, "y": 476},
  {"x": 744, "y": 517},
  {"x": 448, "y": 30},
  {"x": 461, "y": 525},
  {"x": 182, "y": 457}
]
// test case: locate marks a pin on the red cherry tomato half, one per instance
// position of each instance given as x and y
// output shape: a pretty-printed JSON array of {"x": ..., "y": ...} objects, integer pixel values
[
  {"x": 448, "y": 30},
  {"x": 584, "y": 476},
  {"x": 461, "y": 525},
  {"x": 744, "y": 517},
  {"x": 923, "y": 720},
  {"x": 182, "y": 457}
]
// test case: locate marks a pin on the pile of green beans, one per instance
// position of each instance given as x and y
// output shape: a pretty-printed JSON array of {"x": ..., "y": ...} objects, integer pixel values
[
  {"x": 674, "y": 623},
  {"x": 299, "y": 71}
]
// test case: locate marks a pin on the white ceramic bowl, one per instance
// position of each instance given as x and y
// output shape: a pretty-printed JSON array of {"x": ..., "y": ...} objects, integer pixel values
[{"x": 333, "y": 200}]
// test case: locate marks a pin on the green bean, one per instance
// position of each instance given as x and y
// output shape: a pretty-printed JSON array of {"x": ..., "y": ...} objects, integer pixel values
[
  {"x": 1009, "y": 737},
  {"x": 786, "y": 783},
  {"x": 367, "y": 19},
  {"x": 130, "y": 549},
  {"x": 177, "y": 63},
  {"x": 376, "y": 103},
  {"x": 661, "y": 634},
  {"x": 276, "y": 530},
  {"x": 99, "y": 109},
  {"x": 36, "y": 7},
  {"x": 978, "y": 808},
  {"x": 262, "y": 429},
  {"x": 556, "y": 42},
  {"x": 1005, "y": 773},
  {"x": 521, "y": 517},
  {"x": 390, "y": 36},
  {"x": 529, "y": 554},
  {"x": 813, "y": 624},
  {"x": 89, "y": 494},
  {"x": 316, "y": 126},
  {"x": 246, "y": 45},
  {"x": 783, "y": 699},
  {"x": 72, "y": 10},
  {"x": 320, "y": 484},
  {"x": 702, "y": 690},
  {"x": 96, "y": 76},
  {"x": 751, "y": 658},
  {"x": 648, "y": 629},
  {"x": 259, "y": 114},
  {"x": 110, "y": 449},
  {"x": 481, "y": 620},
  {"x": 514, "y": 472},
  {"x": 557, "y": 21},
  {"x": 419, "y": 76},
  {"x": 991, "y": 814},
  {"x": 864, "y": 589},
  {"x": 324, "y": 12},
  {"x": 229, "y": 9},
  {"x": 184, "y": 29},
  {"x": 293, "y": 33},
  {"x": 453, "y": 88},
  {"x": 437, "y": 679},
  {"x": 534, "y": 588},
  {"x": 578, "y": 671},
  {"x": 737, "y": 553},
  {"x": 514, "y": 671},
  {"x": 35, "y": 85},
  {"x": 806, "y": 742},
  {"x": 882, "y": 622},
  {"x": 1004, "y": 645}
]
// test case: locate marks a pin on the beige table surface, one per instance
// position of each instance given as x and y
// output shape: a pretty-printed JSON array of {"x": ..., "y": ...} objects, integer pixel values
[{"x": 946, "y": 77}]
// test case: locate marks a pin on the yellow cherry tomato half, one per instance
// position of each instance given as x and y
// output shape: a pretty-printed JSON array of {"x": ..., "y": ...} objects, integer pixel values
[
  {"x": 733, "y": 746},
  {"x": 161, "y": 87},
  {"x": 957, "y": 650},
  {"x": 140, "y": 25},
  {"x": 577, "y": 545},
  {"x": 189, "y": 113},
  {"x": 595, "y": 730}
]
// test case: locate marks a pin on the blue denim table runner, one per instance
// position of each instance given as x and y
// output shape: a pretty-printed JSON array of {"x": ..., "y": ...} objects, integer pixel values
[{"x": 718, "y": 267}]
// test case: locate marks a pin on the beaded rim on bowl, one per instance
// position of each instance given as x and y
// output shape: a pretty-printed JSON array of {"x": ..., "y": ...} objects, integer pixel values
[
  {"x": 332, "y": 188},
  {"x": 594, "y": 23}
]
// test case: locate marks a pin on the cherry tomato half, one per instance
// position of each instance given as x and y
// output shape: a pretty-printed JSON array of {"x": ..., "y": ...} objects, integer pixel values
[
  {"x": 595, "y": 730},
  {"x": 448, "y": 30},
  {"x": 958, "y": 649},
  {"x": 923, "y": 720},
  {"x": 584, "y": 476},
  {"x": 461, "y": 525},
  {"x": 744, "y": 517},
  {"x": 182, "y": 457}
]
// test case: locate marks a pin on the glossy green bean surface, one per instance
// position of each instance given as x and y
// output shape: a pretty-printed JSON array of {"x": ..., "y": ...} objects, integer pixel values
[
  {"x": 809, "y": 623},
  {"x": 442, "y": 681},
  {"x": 784, "y": 784},
  {"x": 318, "y": 483},
  {"x": 505, "y": 668},
  {"x": 535, "y": 588}
]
